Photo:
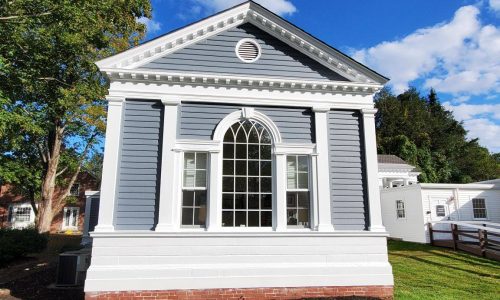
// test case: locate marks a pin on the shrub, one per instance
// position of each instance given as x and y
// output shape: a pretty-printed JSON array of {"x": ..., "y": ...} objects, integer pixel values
[{"x": 15, "y": 243}]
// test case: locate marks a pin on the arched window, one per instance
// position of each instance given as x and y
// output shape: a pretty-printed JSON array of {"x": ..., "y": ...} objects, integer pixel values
[{"x": 247, "y": 176}]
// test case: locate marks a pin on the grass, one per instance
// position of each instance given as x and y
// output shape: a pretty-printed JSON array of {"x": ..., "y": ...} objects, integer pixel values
[{"x": 426, "y": 272}]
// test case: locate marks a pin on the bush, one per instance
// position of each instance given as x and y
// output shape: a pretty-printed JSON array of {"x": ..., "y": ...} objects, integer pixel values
[{"x": 15, "y": 243}]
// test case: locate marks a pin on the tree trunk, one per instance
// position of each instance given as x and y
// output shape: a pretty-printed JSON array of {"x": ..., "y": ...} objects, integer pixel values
[{"x": 45, "y": 212}]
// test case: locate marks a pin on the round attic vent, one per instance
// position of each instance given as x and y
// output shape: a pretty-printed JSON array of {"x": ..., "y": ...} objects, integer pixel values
[{"x": 248, "y": 50}]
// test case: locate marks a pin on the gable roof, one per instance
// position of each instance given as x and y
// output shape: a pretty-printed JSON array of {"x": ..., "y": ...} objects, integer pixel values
[
  {"x": 257, "y": 15},
  {"x": 390, "y": 159}
]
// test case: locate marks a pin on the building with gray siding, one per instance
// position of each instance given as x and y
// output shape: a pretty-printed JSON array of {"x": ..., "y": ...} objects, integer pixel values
[{"x": 240, "y": 154}]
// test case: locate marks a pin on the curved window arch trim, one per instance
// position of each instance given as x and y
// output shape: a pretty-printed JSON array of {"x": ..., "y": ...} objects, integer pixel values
[{"x": 237, "y": 116}]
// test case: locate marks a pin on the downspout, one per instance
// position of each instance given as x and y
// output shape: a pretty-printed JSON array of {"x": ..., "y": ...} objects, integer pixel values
[{"x": 457, "y": 206}]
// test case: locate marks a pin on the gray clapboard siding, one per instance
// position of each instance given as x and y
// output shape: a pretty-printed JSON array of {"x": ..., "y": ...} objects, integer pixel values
[
  {"x": 347, "y": 173},
  {"x": 140, "y": 161},
  {"x": 216, "y": 55},
  {"x": 199, "y": 120}
]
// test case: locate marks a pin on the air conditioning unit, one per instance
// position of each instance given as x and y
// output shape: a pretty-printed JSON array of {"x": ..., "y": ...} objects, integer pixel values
[{"x": 72, "y": 267}]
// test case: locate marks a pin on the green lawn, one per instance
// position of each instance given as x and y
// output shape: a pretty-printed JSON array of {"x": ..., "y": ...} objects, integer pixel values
[{"x": 426, "y": 272}]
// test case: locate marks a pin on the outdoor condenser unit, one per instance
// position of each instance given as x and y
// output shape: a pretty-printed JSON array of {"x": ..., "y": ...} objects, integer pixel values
[{"x": 72, "y": 267}]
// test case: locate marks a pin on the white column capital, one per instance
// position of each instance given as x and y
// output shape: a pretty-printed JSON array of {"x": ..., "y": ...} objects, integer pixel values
[
  {"x": 321, "y": 109},
  {"x": 115, "y": 100},
  {"x": 170, "y": 102},
  {"x": 369, "y": 112}
]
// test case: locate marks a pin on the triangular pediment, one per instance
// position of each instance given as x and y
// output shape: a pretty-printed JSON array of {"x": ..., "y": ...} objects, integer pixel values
[{"x": 287, "y": 51}]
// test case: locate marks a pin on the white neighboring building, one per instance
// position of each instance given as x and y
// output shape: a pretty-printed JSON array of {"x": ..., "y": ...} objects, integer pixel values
[
  {"x": 407, "y": 209},
  {"x": 395, "y": 172}
]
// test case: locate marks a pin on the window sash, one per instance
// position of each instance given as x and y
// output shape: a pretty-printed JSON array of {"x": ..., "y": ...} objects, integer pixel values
[
  {"x": 479, "y": 208},
  {"x": 194, "y": 182},
  {"x": 400, "y": 209},
  {"x": 70, "y": 219},
  {"x": 298, "y": 211}
]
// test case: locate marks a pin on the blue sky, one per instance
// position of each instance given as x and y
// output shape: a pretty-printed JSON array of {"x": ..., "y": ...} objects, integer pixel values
[{"x": 453, "y": 46}]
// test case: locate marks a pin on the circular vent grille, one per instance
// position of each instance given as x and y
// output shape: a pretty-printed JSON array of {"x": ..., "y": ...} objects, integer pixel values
[{"x": 248, "y": 50}]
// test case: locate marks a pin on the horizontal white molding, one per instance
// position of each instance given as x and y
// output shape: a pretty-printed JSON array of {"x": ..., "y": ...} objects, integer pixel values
[
  {"x": 236, "y": 233},
  {"x": 239, "y": 95},
  {"x": 155, "y": 77}
]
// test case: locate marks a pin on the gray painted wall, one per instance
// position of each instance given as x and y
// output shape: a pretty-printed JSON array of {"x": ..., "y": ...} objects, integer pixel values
[
  {"x": 199, "y": 120},
  {"x": 347, "y": 170},
  {"x": 216, "y": 55},
  {"x": 139, "y": 165}
]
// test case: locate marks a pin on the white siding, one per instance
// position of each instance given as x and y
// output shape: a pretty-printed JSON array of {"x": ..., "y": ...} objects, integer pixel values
[{"x": 411, "y": 228}]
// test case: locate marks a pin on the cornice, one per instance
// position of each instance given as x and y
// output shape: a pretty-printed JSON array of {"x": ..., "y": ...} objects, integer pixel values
[
  {"x": 154, "y": 77},
  {"x": 136, "y": 57}
]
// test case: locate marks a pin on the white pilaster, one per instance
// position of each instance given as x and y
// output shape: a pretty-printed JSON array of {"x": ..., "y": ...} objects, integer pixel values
[
  {"x": 323, "y": 170},
  {"x": 280, "y": 223},
  {"x": 214, "y": 218},
  {"x": 372, "y": 170},
  {"x": 170, "y": 166},
  {"x": 110, "y": 164}
]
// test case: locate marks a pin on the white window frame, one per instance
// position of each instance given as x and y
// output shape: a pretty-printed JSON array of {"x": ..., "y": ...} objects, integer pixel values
[
  {"x": 481, "y": 208},
  {"x": 298, "y": 190},
  {"x": 70, "y": 226},
  {"x": 399, "y": 209},
  {"x": 194, "y": 188}
]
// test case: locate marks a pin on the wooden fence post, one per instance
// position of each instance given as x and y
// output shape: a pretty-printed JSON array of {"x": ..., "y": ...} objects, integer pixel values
[
  {"x": 483, "y": 241},
  {"x": 431, "y": 233},
  {"x": 454, "y": 234}
]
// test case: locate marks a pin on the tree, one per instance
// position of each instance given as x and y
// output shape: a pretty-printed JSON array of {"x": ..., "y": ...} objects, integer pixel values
[
  {"x": 51, "y": 114},
  {"x": 421, "y": 131}
]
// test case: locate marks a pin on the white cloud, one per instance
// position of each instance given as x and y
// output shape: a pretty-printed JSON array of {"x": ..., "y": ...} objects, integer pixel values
[
  {"x": 279, "y": 7},
  {"x": 487, "y": 131},
  {"x": 461, "y": 56},
  {"x": 481, "y": 120},
  {"x": 495, "y": 5},
  {"x": 151, "y": 25}
]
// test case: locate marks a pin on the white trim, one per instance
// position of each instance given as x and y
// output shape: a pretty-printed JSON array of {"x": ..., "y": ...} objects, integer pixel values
[
  {"x": 299, "y": 149},
  {"x": 111, "y": 163},
  {"x": 279, "y": 194},
  {"x": 253, "y": 42},
  {"x": 323, "y": 170},
  {"x": 247, "y": 12},
  {"x": 238, "y": 115},
  {"x": 374, "y": 206},
  {"x": 170, "y": 166},
  {"x": 184, "y": 145},
  {"x": 270, "y": 83}
]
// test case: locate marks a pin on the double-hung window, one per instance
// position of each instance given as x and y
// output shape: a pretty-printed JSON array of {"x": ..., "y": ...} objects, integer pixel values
[
  {"x": 297, "y": 195},
  {"x": 479, "y": 208},
  {"x": 194, "y": 189},
  {"x": 70, "y": 219},
  {"x": 400, "y": 209}
]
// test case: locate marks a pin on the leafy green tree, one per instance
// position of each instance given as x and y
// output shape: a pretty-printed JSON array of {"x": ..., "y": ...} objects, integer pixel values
[
  {"x": 51, "y": 115},
  {"x": 421, "y": 131}
]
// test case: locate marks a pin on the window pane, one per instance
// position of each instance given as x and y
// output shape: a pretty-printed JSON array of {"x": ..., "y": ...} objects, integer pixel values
[
  {"x": 265, "y": 185},
  {"x": 241, "y": 151},
  {"x": 253, "y": 136},
  {"x": 253, "y": 151},
  {"x": 291, "y": 164},
  {"x": 253, "y": 168},
  {"x": 303, "y": 181},
  {"x": 228, "y": 151},
  {"x": 187, "y": 198},
  {"x": 266, "y": 201},
  {"x": 200, "y": 215},
  {"x": 240, "y": 201},
  {"x": 201, "y": 160},
  {"x": 201, "y": 179},
  {"x": 253, "y": 201},
  {"x": 303, "y": 165},
  {"x": 291, "y": 199},
  {"x": 227, "y": 218},
  {"x": 265, "y": 152},
  {"x": 291, "y": 180},
  {"x": 227, "y": 201},
  {"x": 240, "y": 136},
  {"x": 241, "y": 167},
  {"x": 200, "y": 198},
  {"x": 189, "y": 178},
  {"x": 303, "y": 216},
  {"x": 265, "y": 168},
  {"x": 227, "y": 184},
  {"x": 189, "y": 160},
  {"x": 266, "y": 219},
  {"x": 253, "y": 218},
  {"x": 229, "y": 136},
  {"x": 292, "y": 217},
  {"x": 303, "y": 199},
  {"x": 253, "y": 184},
  {"x": 228, "y": 167},
  {"x": 265, "y": 138},
  {"x": 241, "y": 184},
  {"x": 240, "y": 218},
  {"x": 187, "y": 216}
]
